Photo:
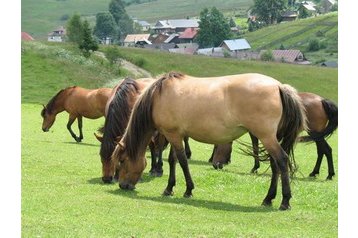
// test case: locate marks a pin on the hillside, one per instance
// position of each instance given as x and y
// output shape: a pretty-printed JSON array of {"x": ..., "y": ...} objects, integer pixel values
[
  {"x": 55, "y": 66},
  {"x": 39, "y": 17},
  {"x": 297, "y": 34}
]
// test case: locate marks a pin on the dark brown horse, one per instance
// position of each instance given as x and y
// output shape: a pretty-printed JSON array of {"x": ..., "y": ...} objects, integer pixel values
[
  {"x": 215, "y": 111},
  {"x": 77, "y": 102},
  {"x": 322, "y": 121},
  {"x": 118, "y": 110}
]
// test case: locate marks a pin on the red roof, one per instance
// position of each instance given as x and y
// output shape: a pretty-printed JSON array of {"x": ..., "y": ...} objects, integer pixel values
[
  {"x": 189, "y": 33},
  {"x": 26, "y": 36}
]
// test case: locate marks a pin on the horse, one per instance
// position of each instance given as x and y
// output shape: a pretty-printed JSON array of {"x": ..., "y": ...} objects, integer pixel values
[
  {"x": 322, "y": 121},
  {"x": 118, "y": 109},
  {"x": 77, "y": 102},
  {"x": 214, "y": 110}
]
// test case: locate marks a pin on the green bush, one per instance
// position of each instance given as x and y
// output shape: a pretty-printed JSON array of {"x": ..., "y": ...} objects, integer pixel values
[
  {"x": 313, "y": 45},
  {"x": 267, "y": 56}
]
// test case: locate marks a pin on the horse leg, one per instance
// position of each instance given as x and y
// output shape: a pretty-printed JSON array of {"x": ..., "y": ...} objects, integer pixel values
[
  {"x": 328, "y": 153},
  {"x": 255, "y": 150},
  {"x": 278, "y": 159},
  {"x": 187, "y": 147},
  {"x": 162, "y": 142},
  {"x": 171, "y": 180},
  {"x": 79, "y": 120},
  {"x": 183, "y": 161},
  {"x": 212, "y": 154},
  {"x": 320, "y": 153},
  {"x": 153, "y": 155},
  {"x": 69, "y": 124}
]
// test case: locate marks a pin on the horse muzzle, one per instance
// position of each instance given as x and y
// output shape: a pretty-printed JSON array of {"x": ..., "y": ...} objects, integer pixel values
[
  {"x": 107, "y": 180},
  {"x": 126, "y": 186},
  {"x": 45, "y": 129}
]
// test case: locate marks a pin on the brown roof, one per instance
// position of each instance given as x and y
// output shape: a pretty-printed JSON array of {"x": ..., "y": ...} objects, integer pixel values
[
  {"x": 26, "y": 36},
  {"x": 289, "y": 56},
  {"x": 189, "y": 33}
]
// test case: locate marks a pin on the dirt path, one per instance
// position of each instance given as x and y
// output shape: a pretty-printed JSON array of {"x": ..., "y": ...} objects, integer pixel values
[{"x": 137, "y": 72}]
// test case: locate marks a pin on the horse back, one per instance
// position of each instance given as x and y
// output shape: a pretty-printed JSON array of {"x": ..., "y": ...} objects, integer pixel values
[{"x": 228, "y": 105}]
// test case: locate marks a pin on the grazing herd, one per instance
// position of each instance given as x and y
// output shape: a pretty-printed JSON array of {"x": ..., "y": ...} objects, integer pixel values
[{"x": 216, "y": 110}]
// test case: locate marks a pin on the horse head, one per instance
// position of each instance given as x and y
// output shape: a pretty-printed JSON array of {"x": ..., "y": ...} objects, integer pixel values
[
  {"x": 48, "y": 119},
  {"x": 130, "y": 170}
]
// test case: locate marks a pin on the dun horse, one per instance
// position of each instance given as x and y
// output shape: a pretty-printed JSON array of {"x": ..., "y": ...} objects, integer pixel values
[
  {"x": 322, "y": 121},
  {"x": 215, "y": 111},
  {"x": 78, "y": 102},
  {"x": 118, "y": 110}
]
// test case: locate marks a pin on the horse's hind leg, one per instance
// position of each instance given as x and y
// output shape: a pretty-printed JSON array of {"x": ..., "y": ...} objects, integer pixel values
[
  {"x": 328, "y": 153},
  {"x": 279, "y": 163},
  {"x": 154, "y": 160},
  {"x": 79, "y": 120},
  {"x": 255, "y": 148},
  {"x": 212, "y": 154},
  {"x": 320, "y": 152},
  {"x": 187, "y": 147},
  {"x": 69, "y": 124}
]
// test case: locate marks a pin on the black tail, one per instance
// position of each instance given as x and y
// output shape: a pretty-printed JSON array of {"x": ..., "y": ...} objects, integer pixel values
[
  {"x": 293, "y": 121},
  {"x": 331, "y": 110}
]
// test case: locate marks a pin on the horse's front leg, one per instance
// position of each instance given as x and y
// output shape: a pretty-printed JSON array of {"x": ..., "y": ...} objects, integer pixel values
[
  {"x": 152, "y": 170},
  {"x": 183, "y": 161},
  {"x": 171, "y": 180},
  {"x": 69, "y": 124},
  {"x": 79, "y": 120}
]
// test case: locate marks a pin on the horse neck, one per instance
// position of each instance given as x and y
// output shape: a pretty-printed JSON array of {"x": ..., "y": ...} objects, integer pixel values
[{"x": 59, "y": 103}]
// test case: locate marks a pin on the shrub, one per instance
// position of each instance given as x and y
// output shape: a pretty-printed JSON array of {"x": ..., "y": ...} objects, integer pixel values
[
  {"x": 139, "y": 62},
  {"x": 113, "y": 54},
  {"x": 267, "y": 56},
  {"x": 313, "y": 45}
]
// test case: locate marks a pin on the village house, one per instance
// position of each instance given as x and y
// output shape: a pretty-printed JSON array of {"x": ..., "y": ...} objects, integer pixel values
[
  {"x": 175, "y": 25},
  {"x": 235, "y": 45},
  {"x": 309, "y": 7},
  {"x": 289, "y": 15},
  {"x": 144, "y": 25},
  {"x": 26, "y": 36},
  {"x": 327, "y": 5},
  {"x": 57, "y": 35},
  {"x": 288, "y": 56},
  {"x": 188, "y": 35},
  {"x": 133, "y": 39}
]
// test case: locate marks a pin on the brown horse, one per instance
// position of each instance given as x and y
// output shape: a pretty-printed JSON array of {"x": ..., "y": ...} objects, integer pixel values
[
  {"x": 78, "y": 102},
  {"x": 118, "y": 109},
  {"x": 322, "y": 121},
  {"x": 215, "y": 111}
]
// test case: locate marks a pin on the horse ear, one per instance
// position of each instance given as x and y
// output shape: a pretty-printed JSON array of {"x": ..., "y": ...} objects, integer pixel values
[{"x": 44, "y": 106}]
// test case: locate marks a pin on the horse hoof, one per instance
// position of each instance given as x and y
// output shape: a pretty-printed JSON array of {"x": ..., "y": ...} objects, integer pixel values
[
  {"x": 267, "y": 203},
  {"x": 284, "y": 207},
  {"x": 188, "y": 195},
  {"x": 313, "y": 175},
  {"x": 159, "y": 174},
  {"x": 78, "y": 139},
  {"x": 329, "y": 177},
  {"x": 167, "y": 193}
]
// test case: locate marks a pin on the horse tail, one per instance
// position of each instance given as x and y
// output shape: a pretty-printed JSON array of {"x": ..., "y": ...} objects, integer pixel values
[
  {"x": 293, "y": 121},
  {"x": 331, "y": 111}
]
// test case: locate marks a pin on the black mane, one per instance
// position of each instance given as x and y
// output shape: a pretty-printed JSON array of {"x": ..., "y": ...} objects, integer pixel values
[{"x": 117, "y": 117}]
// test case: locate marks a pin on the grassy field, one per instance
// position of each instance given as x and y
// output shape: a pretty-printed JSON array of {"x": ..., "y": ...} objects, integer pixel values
[{"x": 61, "y": 190}]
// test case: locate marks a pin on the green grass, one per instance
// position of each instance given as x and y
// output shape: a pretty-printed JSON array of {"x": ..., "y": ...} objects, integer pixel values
[
  {"x": 63, "y": 196},
  {"x": 61, "y": 190}
]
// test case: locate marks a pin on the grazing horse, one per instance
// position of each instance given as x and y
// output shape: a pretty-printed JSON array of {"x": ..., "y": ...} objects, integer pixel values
[
  {"x": 322, "y": 121},
  {"x": 78, "y": 102},
  {"x": 213, "y": 110},
  {"x": 118, "y": 109}
]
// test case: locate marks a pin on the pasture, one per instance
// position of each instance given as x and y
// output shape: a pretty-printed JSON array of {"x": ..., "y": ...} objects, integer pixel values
[{"x": 62, "y": 194}]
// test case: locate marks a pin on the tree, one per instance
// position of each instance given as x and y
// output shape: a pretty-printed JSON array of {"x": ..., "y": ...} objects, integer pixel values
[
  {"x": 75, "y": 29},
  {"x": 88, "y": 43},
  {"x": 268, "y": 10},
  {"x": 124, "y": 22},
  {"x": 214, "y": 28},
  {"x": 105, "y": 26}
]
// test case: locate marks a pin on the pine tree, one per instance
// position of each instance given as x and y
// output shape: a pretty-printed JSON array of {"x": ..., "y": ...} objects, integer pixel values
[
  {"x": 74, "y": 29},
  {"x": 88, "y": 43}
]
